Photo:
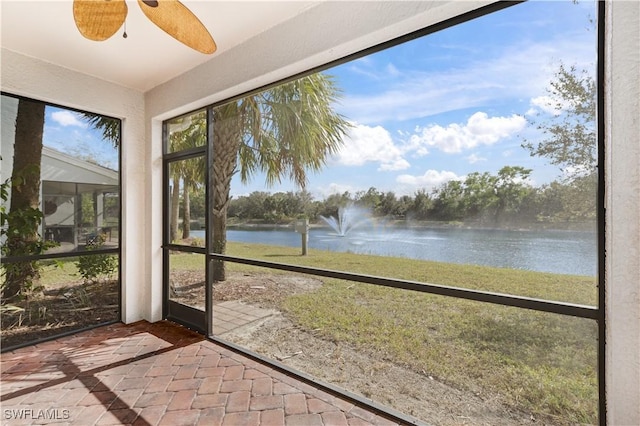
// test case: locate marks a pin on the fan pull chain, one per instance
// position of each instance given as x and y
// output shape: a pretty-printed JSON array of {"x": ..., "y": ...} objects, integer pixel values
[{"x": 124, "y": 35}]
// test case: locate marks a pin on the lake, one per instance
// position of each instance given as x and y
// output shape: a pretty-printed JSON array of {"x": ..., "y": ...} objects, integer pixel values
[{"x": 562, "y": 252}]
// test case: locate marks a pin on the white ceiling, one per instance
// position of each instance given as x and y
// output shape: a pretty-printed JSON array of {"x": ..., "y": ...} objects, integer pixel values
[{"x": 46, "y": 30}]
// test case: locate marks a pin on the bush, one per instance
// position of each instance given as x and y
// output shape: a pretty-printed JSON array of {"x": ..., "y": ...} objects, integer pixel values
[{"x": 93, "y": 267}]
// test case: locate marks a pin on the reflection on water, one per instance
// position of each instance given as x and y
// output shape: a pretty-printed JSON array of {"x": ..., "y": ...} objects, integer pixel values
[{"x": 563, "y": 252}]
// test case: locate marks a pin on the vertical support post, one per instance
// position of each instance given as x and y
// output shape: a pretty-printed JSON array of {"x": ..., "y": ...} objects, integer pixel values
[
  {"x": 77, "y": 217},
  {"x": 305, "y": 241},
  {"x": 302, "y": 226}
]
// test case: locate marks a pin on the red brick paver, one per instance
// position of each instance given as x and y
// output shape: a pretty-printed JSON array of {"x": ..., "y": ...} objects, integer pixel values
[{"x": 159, "y": 374}]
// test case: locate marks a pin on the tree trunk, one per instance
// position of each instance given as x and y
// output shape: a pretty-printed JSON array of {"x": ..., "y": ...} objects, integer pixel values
[
  {"x": 186, "y": 217},
  {"x": 25, "y": 197},
  {"x": 175, "y": 210},
  {"x": 227, "y": 131}
]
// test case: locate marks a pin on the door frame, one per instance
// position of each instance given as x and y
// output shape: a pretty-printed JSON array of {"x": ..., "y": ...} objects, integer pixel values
[{"x": 192, "y": 318}]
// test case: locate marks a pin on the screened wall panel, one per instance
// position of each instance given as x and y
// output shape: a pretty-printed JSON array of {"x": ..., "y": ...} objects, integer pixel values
[
  {"x": 453, "y": 150},
  {"x": 60, "y": 239}
]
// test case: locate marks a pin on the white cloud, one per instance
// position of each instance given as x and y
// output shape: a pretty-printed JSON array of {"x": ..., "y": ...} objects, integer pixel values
[
  {"x": 392, "y": 70},
  {"x": 429, "y": 180},
  {"x": 398, "y": 164},
  {"x": 68, "y": 118},
  {"x": 369, "y": 69},
  {"x": 576, "y": 171},
  {"x": 521, "y": 70},
  {"x": 364, "y": 144},
  {"x": 474, "y": 158},
  {"x": 532, "y": 112},
  {"x": 480, "y": 129},
  {"x": 545, "y": 104},
  {"x": 322, "y": 192}
]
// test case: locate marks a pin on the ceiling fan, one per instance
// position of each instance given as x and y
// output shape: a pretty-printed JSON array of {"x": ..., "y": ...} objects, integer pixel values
[{"x": 100, "y": 19}]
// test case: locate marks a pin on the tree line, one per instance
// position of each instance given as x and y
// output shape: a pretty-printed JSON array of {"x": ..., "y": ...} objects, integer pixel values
[{"x": 481, "y": 198}]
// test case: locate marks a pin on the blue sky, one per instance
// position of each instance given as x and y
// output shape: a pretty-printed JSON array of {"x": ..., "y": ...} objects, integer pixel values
[
  {"x": 431, "y": 110},
  {"x": 68, "y": 132},
  {"x": 453, "y": 102}
]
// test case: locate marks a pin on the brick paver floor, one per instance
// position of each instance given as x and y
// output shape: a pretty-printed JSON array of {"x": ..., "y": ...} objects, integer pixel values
[{"x": 159, "y": 374}]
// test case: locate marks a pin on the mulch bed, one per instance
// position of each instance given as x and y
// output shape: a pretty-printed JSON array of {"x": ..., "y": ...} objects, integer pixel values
[
  {"x": 60, "y": 310},
  {"x": 264, "y": 290}
]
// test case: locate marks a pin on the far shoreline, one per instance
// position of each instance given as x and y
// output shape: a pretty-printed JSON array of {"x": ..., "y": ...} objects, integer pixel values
[{"x": 589, "y": 227}]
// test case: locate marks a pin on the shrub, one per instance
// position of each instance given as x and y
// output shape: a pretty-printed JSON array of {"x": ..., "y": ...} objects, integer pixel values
[{"x": 93, "y": 267}]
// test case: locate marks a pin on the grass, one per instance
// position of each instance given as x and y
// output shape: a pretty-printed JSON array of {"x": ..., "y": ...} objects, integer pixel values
[
  {"x": 543, "y": 363},
  {"x": 539, "y": 362},
  {"x": 58, "y": 273},
  {"x": 564, "y": 288}
]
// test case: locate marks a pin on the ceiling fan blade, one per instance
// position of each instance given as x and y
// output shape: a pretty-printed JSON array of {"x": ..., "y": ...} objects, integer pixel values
[
  {"x": 180, "y": 23},
  {"x": 99, "y": 19}
]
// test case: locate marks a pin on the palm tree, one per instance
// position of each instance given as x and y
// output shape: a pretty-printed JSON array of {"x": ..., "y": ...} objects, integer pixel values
[
  {"x": 190, "y": 133},
  {"x": 192, "y": 177},
  {"x": 282, "y": 132},
  {"x": 110, "y": 127}
]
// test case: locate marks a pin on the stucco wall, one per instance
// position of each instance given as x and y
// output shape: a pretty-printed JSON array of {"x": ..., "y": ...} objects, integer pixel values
[
  {"x": 622, "y": 269},
  {"x": 25, "y": 76}
]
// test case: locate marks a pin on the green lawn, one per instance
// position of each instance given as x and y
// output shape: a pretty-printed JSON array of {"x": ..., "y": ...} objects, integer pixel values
[{"x": 540, "y": 362}]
